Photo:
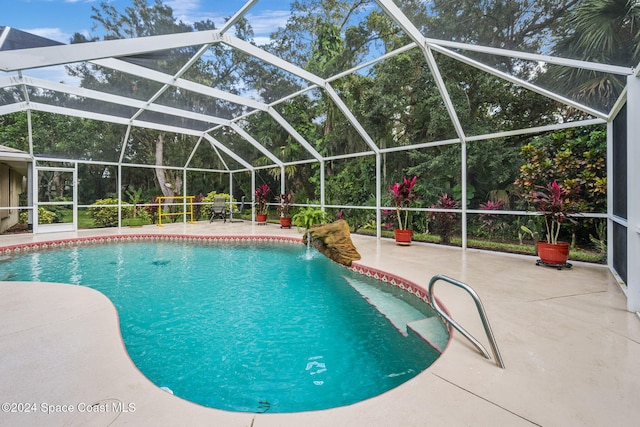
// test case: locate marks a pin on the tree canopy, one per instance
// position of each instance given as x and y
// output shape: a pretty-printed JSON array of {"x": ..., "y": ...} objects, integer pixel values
[{"x": 389, "y": 105}]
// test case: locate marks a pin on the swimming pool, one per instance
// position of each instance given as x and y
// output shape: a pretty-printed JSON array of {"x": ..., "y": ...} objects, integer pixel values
[{"x": 249, "y": 326}]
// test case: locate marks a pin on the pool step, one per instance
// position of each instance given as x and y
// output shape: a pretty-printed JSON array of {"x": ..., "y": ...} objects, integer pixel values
[
  {"x": 432, "y": 330},
  {"x": 399, "y": 313}
]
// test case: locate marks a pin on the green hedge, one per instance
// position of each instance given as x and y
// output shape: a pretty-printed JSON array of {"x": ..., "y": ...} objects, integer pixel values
[{"x": 107, "y": 216}]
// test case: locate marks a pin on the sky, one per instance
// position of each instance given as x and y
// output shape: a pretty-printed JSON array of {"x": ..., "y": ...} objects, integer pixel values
[{"x": 60, "y": 19}]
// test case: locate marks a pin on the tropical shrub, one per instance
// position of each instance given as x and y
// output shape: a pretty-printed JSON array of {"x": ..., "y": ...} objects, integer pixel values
[
  {"x": 152, "y": 210},
  {"x": 445, "y": 221},
  {"x": 554, "y": 203},
  {"x": 403, "y": 195},
  {"x": 107, "y": 216},
  {"x": 490, "y": 223},
  {"x": 308, "y": 217},
  {"x": 135, "y": 197},
  {"x": 44, "y": 216},
  {"x": 284, "y": 204},
  {"x": 262, "y": 199},
  {"x": 574, "y": 158}
]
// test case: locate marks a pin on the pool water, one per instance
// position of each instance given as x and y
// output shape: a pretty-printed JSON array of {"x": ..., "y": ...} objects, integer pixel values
[{"x": 249, "y": 327}]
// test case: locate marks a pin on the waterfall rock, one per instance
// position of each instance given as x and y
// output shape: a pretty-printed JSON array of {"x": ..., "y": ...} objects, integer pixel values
[{"x": 334, "y": 241}]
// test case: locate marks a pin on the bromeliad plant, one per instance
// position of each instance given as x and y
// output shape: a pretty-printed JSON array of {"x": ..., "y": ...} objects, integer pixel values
[
  {"x": 261, "y": 199},
  {"x": 403, "y": 195},
  {"x": 488, "y": 220},
  {"x": 554, "y": 203}
]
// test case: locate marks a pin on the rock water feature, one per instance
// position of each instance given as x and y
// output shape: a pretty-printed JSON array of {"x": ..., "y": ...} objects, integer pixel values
[{"x": 334, "y": 241}]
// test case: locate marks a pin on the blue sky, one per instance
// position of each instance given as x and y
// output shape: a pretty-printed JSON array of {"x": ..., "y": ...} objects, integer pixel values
[{"x": 60, "y": 19}]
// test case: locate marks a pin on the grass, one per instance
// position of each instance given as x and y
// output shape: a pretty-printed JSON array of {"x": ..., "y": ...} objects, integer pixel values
[{"x": 85, "y": 220}]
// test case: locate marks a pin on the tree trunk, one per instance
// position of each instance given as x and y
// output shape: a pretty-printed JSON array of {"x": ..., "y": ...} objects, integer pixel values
[
  {"x": 160, "y": 175},
  {"x": 167, "y": 187}
]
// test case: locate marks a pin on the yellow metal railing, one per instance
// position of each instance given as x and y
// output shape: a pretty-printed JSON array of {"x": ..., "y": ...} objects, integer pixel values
[{"x": 170, "y": 203}]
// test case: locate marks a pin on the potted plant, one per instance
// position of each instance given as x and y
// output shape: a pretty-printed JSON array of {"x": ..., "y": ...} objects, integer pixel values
[
  {"x": 403, "y": 195},
  {"x": 261, "y": 197},
  {"x": 554, "y": 204},
  {"x": 283, "y": 209}
]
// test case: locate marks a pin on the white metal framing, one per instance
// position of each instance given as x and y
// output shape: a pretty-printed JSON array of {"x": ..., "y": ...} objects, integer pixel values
[
  {"x": 632, "y": 287},
  {"x": 48, "y": 228},
  {"x": 107, "y": 54}
]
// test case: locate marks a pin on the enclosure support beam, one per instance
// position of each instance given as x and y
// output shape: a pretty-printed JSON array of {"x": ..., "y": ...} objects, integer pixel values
[
  {"x": 31, "y": 187},
  {"x": 322, "y": 177},
  {"x": 633, "y": 195},
  {"x": 231, "y": 205},
  {"x": 184, "y": 201},
  {"x": 517, "y": 81},
  {"x": 253, "y": 195},
  {"x": 283, "y": 176},
  {"x": 33, "y": 213},
  {"x": 238, "y": 15},
  {"x": 34, "y": 180},
  {"x": 378, "y": 195},
  {"x": 119, "y": 181},
  {"x": 463, "y": 180},
  {"x": 610, "y": 172},
  {"x": 255, "y": 143},
  {"x": 350, "y": 117}
]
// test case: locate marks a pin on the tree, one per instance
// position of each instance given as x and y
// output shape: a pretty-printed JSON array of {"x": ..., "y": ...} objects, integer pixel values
[
  {"x": 510, "y": 24},
  {"x": 603, "y": 31},
  {"x": 218, "y": 69},
  {"x": 327, "y": 37}
]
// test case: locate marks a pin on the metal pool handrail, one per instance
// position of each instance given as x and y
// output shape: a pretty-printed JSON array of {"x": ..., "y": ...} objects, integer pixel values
[{"x": 481, "y": 312}]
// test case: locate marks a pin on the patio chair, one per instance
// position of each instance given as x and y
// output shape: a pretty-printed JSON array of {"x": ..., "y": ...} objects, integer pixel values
[
  {"x": 219, "y": 209},
  {"x": 239, "y": 210}
]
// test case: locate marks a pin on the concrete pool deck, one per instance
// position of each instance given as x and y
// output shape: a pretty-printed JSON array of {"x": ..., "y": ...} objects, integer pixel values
[{"x": 571, "y": 350}]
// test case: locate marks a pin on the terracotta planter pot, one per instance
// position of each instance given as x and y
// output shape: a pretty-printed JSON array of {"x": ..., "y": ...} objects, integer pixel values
[
  {"x": 551, "y": 254},
  {"x": 261, "y": 217},
  {"x": 403, "y": 237},
  {"x": 285, "y": 222}
]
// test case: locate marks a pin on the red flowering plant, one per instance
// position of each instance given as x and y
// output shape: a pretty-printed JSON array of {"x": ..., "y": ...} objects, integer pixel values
[
  {"x": 403, "y": 194},
  {"x": 554, "y": 203},
  {"x": 261, "y": 199},
  {"x": 445, "y": 221}
]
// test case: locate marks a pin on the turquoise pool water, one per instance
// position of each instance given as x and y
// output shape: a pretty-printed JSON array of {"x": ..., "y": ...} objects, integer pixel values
[{"x": 249, "y": 327}]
